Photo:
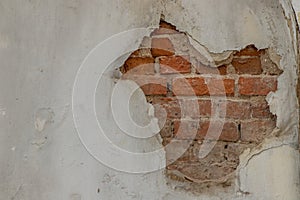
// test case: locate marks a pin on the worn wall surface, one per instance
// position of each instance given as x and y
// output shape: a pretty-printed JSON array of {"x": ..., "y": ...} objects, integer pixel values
[
  {"x": 43, "y": 44},
  {"x": 296, "y": 7}
]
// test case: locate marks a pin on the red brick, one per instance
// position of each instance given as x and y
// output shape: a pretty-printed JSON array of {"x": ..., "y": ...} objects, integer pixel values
[
  {"x": 166, "y": 131},
  {"x": 141, "y": 52},
  {"x": 185, "y": 129},
  {"x": 220, "y": 86},
  {"x": 203, "y": 86},
  {"x": 257, "y": 85},
  {"x": 189, "y": 86},
  {"x": 256, "y": 130},
  {"x": 178, "y": 150},
  {"x": 151, "y": 85},
  {"x": 174, "y": 64},
  {"x": 162, "y": 47},
  {"x": 250, "y": 50},
  {"x": 166, "y": 104},
  {"x": 222, "y": 160},
  {"x": 260, "y": 109},
  {"x": 139, "y": 65},
  {"x": 247, "y": 65},
  {"x": 189, "y": 108},
  {"x": 202, "y": 69},
  {"x": 165, "y": 28},
  {"x": 236, "y": 109},
  {"x": 222, "y": 70}
]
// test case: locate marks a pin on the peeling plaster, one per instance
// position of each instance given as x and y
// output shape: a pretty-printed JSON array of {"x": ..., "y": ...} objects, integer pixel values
[
  {"x": 256, "y": 176},
  {"x": 59, "y": 34}
]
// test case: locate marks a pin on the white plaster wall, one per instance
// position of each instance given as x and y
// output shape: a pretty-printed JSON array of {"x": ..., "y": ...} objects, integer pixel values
[
  {"x": 42, "y": 45},
  {"x": 296, "y": 7}
]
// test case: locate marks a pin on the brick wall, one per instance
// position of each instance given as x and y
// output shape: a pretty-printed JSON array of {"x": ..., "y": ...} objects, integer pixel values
[{"x": 175, "y": 77}]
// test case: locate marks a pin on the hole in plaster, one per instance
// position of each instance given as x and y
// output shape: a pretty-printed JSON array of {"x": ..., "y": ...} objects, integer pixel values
[{"x": 166, "y": 57}]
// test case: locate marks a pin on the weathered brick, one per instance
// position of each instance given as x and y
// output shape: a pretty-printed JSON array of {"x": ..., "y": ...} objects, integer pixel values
[
  {"x": 141, "y": 52},
  {"x": 202, "y": 69},
  {"x": 139, "y": 65},
  {"x": 224, "y": 86},
  {"x": 268, "y": 66},
  {"x": 164, "y": 28},
  {"x": 199, "y": 171},
  {"x": 167, "y": 104},
  {"x": 174, "y": 64},
  {"x": 260, "y": 108},
  {"x": 247, "y": 65},
  {"x": 203, "y": 86},
  {"x": 189, "y": 108},
  {"x": 257, "y": 85},
  {"x": 187, "y": 129},
  {"x": 256, "y": 130},
  {"x": 178, "y": 150},
  {"x": 190, "y": 86},
  {"x": 247, "y": 118},
  {"x": 221, "y": 161},
  {"x": 222, "y": 70},
  {"x": 249, "y": 50},
  {"x": 236, "y": 109},
  {"x": 162, "y": 47},
  {"x": 151, "y": 85},
  {"x": 166, "y": 129}
]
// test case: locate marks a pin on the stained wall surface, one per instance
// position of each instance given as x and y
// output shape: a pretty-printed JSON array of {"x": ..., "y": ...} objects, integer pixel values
[{"x": 43, "y": 44}]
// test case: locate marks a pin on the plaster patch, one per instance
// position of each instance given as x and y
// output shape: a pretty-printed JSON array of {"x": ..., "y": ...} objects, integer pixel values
[
  {"x": 257, "y": 176},
  {"x": 43, "y": 116}
]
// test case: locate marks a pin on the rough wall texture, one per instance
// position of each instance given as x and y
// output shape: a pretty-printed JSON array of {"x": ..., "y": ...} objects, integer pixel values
[
  {"x": 42, "y": 45},
  {"x": 178, "y": 79}
]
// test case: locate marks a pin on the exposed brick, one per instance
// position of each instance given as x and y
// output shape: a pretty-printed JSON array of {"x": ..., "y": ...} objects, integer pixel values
[
  {"x": 174, "y": 64},
  {"x": 229, "y": 131},
  {"x": 220, "y": 162},
  {"x": 249, "y": 50},
  {"x": 202, "y": 69},
  {"x": 177, "y": 150},
  {"x": 186, "y": 129},
  {"x": 141, "y": 52},
  {"x": 189, "y": 108},
  {"x": 260, "y": 108},
  {"x": 248, "y": 119},
  {"x": 269, "y": 67},
  {"x": 222, "y": 70},
  {"x": 190, "y": 86},
  {"x": 199, "y": 171},
  {"x": 247, "y": 65},
  {"x": 236, "y": 109},
  {"x": 139, "y": 65},
  {"x": 164, "y": 28},
  {"x": 256, "y": 130},
  {"x": 162, "y": 47},
  {"x": 166, "y": 129},
  {"x": 257, "y": 85},
  {"x": 203, "y": 86},
  {"x": 166, "y": 104},
  {"x": 151, "y": 85},
  {"x": 218, "y": 86}
]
